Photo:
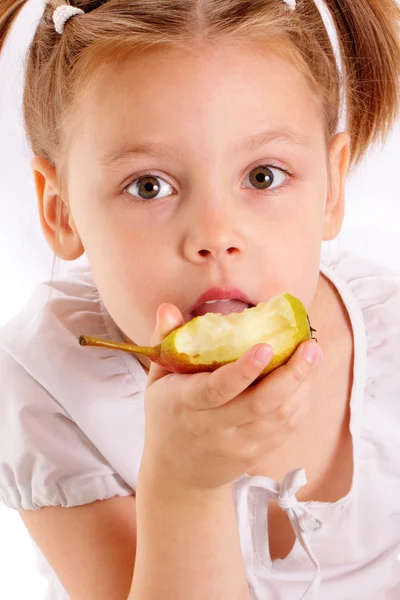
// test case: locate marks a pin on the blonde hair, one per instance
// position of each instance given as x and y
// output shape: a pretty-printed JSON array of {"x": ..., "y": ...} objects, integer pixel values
[{"x": 59, "y": 67}]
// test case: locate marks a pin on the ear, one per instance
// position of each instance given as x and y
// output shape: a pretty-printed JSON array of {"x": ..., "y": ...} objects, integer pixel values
[
  {"x": 338, "y": 164},
  {"x": 62, "y": 238}
]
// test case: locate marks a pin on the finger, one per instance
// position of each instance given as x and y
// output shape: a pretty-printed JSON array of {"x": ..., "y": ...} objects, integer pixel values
[
  {"x": 299, "y": 415},
  {"x": 228, "y": 381},
  {"x": 302, "y": 365},
  {"x": 263, "y": 435},
  {"x": 288, "y": 417},
  {"x": 273, "y": 393},
  {"x": 168, "y": 318}
]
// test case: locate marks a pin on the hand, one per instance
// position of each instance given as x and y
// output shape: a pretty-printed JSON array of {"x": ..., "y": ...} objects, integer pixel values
[{"x": 205, "y": 430}]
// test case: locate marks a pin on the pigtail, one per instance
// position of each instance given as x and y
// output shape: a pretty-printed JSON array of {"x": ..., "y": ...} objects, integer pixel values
[
  {"x": 9, "y": 9},
  {"x": 369, "y": 39}
]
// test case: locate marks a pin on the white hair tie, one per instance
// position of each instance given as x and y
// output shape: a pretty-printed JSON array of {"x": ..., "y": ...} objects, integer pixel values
[
  {"x": 62, "y": 14},
  {"x": 291, "y": 4}
]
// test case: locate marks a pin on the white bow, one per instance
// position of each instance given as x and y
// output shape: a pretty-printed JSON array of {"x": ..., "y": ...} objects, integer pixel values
[{"x": 301, "y": 519}]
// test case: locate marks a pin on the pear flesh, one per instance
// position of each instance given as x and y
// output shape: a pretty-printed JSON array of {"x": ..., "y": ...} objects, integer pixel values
[{"x": 212, "y": 340}]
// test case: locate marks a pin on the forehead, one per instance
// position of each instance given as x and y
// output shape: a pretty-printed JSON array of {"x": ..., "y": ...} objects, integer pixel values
[{"x": 218, "y": 95}]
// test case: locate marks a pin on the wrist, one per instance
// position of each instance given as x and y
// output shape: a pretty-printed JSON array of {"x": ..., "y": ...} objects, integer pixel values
[{"x": 161, "y": 481}]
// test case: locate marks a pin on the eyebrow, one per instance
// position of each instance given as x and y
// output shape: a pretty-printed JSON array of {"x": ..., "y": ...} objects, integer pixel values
[{"x": 160, "y": 150}]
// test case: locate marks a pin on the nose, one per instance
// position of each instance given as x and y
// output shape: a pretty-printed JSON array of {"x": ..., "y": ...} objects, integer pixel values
[{"x": 214, "y": 235}]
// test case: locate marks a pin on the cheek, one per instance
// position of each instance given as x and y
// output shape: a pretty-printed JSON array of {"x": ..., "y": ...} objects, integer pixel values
[
  {"x": 124, "y": 295},
  {"x": 111, "y": 235},
  {"x": 307, "y": 220},
  {"x": 123, "y": 266}
]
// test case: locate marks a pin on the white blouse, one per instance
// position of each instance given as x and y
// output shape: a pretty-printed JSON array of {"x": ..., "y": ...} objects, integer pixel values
[{"x": 72, "y": 432}]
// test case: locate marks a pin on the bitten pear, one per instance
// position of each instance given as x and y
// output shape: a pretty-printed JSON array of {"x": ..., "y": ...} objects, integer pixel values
[{"x": 208, "y": 342}]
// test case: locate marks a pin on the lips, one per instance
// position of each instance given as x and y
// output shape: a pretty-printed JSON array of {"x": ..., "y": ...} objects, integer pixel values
[
  {"x": 216, "y": 293},
  {"x": 223, "y": 307},
  {"x": 222, "y": 300}
]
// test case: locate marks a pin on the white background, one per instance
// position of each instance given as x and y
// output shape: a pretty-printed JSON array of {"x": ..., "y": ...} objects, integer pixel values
[{"x": 371, "y": 227}]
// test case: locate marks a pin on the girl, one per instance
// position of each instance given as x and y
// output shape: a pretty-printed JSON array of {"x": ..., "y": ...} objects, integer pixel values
[{"x": 191, "y": 150}]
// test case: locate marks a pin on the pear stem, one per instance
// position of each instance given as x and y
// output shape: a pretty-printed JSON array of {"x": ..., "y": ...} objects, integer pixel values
[{"x": 153, "y": 353}]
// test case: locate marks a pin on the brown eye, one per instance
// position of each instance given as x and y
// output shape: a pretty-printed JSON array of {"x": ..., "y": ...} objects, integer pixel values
[
  {"x": 148, "y": 188},
  {"x": 264, "y": 177}
]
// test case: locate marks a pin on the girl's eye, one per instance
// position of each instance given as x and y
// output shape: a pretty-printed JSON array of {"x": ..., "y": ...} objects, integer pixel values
[
  {"x": 265, "y": 177},
  {"x": 148, "y": 187}
]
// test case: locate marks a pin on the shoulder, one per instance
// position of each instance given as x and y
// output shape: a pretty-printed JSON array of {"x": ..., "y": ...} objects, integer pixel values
[
  {"x": 371, "y": 292},
  {"x": 372, "y": 285},
  {"x": 44, "y": 336},
  {"x": 52, "y": 308},
  {"x": 352, "y": 266}
]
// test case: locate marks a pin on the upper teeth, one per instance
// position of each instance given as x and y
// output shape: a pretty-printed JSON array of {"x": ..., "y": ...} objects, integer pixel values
[{"x": 212, "y": 301}]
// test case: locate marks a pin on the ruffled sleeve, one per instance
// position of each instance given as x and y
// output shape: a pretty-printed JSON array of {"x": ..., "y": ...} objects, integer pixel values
[
  {"x": 71, "y": 418},
  {"x": 45, "y": 458}
]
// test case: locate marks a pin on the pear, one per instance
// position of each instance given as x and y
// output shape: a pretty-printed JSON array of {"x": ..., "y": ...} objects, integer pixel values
[{"x": 208, "y": 342}]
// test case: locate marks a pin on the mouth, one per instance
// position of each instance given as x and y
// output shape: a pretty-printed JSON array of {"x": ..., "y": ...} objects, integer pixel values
[{"x": 223, "y": 307}]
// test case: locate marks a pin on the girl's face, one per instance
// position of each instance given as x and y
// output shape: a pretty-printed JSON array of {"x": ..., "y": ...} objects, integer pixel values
[{"x": 190, "y": 171}]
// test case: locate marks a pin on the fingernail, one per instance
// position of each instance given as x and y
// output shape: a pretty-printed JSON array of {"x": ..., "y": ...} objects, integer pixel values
[
  {"x": 158, "y": 318},
  {"x": 262, "y": 355},
  {"x": 312, "y": 353}
]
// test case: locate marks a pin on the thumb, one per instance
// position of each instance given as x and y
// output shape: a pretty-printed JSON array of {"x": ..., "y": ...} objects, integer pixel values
[{"x": 168, "y": 318}]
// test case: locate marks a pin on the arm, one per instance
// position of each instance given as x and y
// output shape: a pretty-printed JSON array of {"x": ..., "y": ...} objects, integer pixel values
[
  {"x": 91, "y": 548},
  {"x": 188, "y": 544}
]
